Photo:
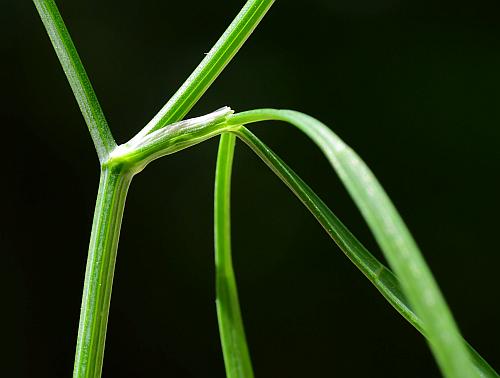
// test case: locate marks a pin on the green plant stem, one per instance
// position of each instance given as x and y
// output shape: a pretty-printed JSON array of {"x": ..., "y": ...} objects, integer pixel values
[
  {"x": 232, "y": 334},
  {"x": 381, "y": 277},
  {"x": 391, "y": 234},
  {"x": 77, "y": 77},
  {"x": 113, "y": 187},
  {"x": 210, "y": 67}
]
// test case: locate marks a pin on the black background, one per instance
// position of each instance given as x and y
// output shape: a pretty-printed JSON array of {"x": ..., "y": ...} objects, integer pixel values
[{"x": 413, "y": 86}]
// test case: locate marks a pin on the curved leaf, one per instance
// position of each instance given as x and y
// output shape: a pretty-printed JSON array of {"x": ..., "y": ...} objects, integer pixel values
[
  {"x": 381, "y": 277},
  {"x": 391, "y": 234}
]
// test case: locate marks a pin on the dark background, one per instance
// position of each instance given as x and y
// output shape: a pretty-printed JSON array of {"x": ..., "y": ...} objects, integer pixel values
[{"x": 413, "y": 86}]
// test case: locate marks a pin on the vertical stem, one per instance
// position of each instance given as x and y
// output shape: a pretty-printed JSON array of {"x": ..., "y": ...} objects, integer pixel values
[
  {"x": 232, "y": 334},
  {"x": 113, "y": 187}
]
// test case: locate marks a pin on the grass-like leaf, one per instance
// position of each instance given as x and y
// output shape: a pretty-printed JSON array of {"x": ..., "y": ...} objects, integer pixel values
[
  {"x": 77, "y": 77},
  {"x": 381, "y": 277},
  {"x": 232, "y": 334},
  {"x": 391, "y": 234}
]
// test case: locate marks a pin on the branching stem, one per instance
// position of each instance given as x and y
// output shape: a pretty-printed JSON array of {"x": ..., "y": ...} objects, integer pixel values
[{"x": 118, "y": 165}]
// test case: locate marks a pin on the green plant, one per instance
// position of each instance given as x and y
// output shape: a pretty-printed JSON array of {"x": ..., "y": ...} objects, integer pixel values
[{"x": 418, "y": 300}]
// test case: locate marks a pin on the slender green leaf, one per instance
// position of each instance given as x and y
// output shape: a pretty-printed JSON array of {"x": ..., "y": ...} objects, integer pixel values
[
  {"x": 381, "y": 277},
  {"x": 232, "y": 334},
  {"x": 77, "y": 77},
  {"x": 391, "y": 234},
  {"x": 211, "y": 66}
]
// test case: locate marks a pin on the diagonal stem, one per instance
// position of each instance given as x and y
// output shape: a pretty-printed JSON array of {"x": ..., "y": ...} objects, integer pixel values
[
  {"x": 77, "y": 77},
  {"x": 211, "y": 66}
]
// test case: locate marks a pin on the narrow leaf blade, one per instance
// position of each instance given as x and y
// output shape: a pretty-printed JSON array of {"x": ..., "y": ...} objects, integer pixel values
[
  {"x": 380, "y": 276},
  {"x": 232, "y": 334},
  {"x": 391, "y": 234}
]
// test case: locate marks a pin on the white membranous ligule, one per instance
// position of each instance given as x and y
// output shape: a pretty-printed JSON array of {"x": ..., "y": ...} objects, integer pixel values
[
  {"x": 163, "y": 137},
  {"x": 180, "y": 127}
]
